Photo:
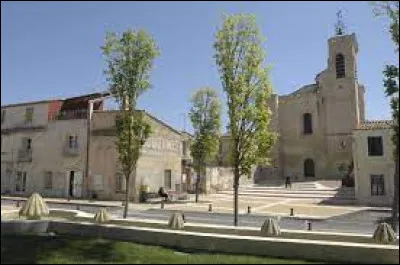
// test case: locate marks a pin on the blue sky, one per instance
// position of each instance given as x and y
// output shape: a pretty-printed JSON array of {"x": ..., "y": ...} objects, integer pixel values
[{"x": 52, "y": 49}]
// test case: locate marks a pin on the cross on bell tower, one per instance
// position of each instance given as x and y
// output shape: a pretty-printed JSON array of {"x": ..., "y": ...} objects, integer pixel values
[{"x": 339, "y": 26}]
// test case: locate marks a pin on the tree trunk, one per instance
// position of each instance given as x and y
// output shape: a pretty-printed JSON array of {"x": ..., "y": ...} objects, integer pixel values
[
  {"x": 395, "y": 205},
  {"x": 236, "y": 196},
  {"x": 197, "y": 186},
  {"x": 135, "y": 189},
  {"x": 126, "y": 197}
]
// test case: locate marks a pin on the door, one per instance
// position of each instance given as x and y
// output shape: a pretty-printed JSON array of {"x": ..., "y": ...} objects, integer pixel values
[
  {"x": 77, "y": 182},
  {"x": 309, "y": 168},
  {"x": 21, "y": 182},
  {"x": 71, "y": 184},
  {"x": 167, "y": 179}
]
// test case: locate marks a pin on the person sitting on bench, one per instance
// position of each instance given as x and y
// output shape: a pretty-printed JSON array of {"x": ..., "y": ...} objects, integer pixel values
[{"x": 162, "y": 193}]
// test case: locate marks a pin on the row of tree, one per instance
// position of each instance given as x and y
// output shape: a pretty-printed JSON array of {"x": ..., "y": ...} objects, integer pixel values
[{"x": 240, "y": 58}]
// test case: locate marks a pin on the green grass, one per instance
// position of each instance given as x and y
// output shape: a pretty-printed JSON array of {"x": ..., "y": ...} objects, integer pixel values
[{"x": 67, "y": 249}]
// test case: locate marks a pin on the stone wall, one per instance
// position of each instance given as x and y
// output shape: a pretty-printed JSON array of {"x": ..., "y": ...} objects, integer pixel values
[
  {"x": 162, "y": 151},
  {"x": 365, "y": 166},
  {"x": 222, "y": 178}
]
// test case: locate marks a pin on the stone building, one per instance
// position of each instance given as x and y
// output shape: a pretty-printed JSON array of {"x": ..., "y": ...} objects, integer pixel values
[
  {"x": 374, "y": 166},
  {"x": 43, "y": 146},
  {"x": 45, "y": 149}
]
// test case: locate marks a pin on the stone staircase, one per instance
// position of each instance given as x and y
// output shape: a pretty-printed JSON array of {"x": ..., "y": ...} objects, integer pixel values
[{"x": 301, "y": 190}]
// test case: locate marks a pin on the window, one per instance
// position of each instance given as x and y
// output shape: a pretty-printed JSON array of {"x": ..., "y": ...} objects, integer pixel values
[
  {"x": 167, "y": 179},
  {"x": 28, "y": 114},
  {"x": 20, "y": 185},
  {"x": 98, "y": 182},
  {"x": 120, "y": 183},
  {"x": 375, "y": 146},
  {"x": 377, "y": 185},
  {"x": 73, "y": 141},
  {"x": 3, "y": 115},
  {"x": 48, "y": 180},
  {"x": 307, "y": 123},
  {"x": 309, "y": 168},
  {"x": 184, "y": 151},
  {"x": 340, "y": 67},
  {"x": 26, "y": 144}
]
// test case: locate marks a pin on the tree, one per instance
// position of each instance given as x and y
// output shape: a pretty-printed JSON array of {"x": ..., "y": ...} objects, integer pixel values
[
  {"x": 240, "y": 57},
  {"x": 390, "y": 9},
  {"x": 205, "y": 116},
  {"x": 130, "y": 59}
]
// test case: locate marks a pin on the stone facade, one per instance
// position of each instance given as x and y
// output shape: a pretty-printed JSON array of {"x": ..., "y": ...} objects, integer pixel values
[
  {"x": 44, "y": 164},
  {"x": 374, "y": 173},
  {"x": 159, "y": 164}
]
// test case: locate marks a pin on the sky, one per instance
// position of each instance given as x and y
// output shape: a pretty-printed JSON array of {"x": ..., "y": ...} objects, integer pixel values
[{"x": 52, "y": 49}]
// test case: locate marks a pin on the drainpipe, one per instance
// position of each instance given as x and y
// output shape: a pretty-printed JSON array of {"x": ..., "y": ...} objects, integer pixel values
[{"x": 88, "y": 134}]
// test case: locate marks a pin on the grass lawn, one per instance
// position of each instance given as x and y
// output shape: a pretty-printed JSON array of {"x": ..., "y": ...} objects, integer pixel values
[{"x": 68, "y": 249}]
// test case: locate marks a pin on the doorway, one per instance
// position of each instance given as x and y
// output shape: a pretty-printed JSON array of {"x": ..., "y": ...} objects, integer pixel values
[
  {"x": 71, "y": 183},
  {"x": 309, "y": 168}
]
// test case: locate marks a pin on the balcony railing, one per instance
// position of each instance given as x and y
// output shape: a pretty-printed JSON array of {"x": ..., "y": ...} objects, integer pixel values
[
  {"x": 69, "y": 115},
  {"x": 25, "y": 155},
  {"x": 71, "y": 150}
]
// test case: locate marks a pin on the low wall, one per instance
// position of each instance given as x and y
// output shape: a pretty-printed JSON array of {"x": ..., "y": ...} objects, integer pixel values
[
  {"x": 76, "y": 215},
  {"x": 260, "y": 246},
  {"x": 221, "y": 178},
  {"x": 54, "y": 213},
  {"x": 243, "y": 231}
]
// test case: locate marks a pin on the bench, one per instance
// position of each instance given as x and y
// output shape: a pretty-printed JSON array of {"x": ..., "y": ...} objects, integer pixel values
[
  {"x": 172, "y": 196},
  {"x": 176, "y": 195}
]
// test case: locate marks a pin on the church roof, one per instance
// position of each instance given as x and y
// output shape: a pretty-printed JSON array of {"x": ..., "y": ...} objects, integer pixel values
[
  {"x": 375, "y": 125},
  {"x": 305, "y": 89}
]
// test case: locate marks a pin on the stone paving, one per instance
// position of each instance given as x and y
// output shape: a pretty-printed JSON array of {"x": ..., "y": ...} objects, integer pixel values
[
  {"x": 267, "y": 206},
  {"x": 223, "y": 203}
]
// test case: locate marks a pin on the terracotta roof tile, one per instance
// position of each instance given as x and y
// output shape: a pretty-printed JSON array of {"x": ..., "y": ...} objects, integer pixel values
[{"x": 375, "y": 125}]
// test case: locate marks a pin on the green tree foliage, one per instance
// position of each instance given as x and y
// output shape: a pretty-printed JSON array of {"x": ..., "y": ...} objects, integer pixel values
[
  {"x": 205, "y": 116},
  {"x": 240, "y": 56},
  {"x": 390, "y": 10},
  {"x": 129, "y": 59}
]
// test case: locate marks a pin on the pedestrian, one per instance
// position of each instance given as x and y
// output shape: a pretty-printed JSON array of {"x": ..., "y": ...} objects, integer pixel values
[{"x": 288, "y": 183}]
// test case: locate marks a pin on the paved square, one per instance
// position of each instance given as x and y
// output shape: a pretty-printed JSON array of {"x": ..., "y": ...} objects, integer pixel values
[{"x": 267, "y": 206}]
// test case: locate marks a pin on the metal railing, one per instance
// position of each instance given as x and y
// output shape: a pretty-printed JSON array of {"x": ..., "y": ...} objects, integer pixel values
[
  {"x": 71, "y": 150},
  {"x": 25, "y": 155},
  {"x": 69, "y": 115}
]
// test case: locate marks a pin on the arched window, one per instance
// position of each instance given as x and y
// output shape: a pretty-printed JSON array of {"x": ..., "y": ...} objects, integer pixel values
[
  {"x": 307, "y": 123},
  {"x": 340, "y": 67},
  {"x": 309, "y": 168}
]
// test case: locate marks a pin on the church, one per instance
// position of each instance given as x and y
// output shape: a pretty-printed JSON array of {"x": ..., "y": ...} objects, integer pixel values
[{"x": 315, "y": 123}]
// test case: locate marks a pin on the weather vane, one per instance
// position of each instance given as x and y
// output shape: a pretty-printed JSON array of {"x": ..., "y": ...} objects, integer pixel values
[{"x": 339, "y": 27}]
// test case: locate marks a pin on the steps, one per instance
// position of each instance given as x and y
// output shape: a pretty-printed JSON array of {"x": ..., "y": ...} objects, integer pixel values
[{"x": 303, "y": 190}]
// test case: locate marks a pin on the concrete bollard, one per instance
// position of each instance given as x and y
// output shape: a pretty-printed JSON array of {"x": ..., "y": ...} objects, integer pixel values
[
  {"x": 249, "y": 209},
  {"x": 210, "y": 207},
  {"x": 162, "y": 205},
  {"x": 291, "y": 212}
]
